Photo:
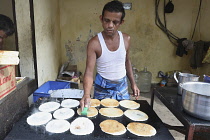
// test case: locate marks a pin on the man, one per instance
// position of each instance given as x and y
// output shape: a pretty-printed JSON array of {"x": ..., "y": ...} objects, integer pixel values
[
  {"x": 109, "y": 50},
  {"x": 6, "y": 28}
]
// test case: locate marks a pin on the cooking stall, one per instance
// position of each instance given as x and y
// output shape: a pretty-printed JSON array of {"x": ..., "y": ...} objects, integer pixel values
[
  {"x": 22, "y": 130},
  {"x": 148, "y": 43}
]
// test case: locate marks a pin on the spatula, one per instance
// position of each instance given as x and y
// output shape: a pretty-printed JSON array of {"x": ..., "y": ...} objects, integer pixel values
[{"x": 84, "y": 112}]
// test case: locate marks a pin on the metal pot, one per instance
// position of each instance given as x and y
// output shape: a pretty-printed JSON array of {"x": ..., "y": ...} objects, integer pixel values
[
  {"x": 185, "y": 77},
  {"x": 196, "y": 99}
]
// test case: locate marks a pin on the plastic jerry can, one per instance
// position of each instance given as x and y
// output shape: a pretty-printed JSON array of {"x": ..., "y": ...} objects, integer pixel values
[{"x": 145, "y": 78}]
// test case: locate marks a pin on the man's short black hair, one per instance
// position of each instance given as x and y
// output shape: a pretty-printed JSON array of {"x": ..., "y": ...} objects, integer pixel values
[
  {"x": 114, "y": 6},
  {"x": 6, "y": 25}
]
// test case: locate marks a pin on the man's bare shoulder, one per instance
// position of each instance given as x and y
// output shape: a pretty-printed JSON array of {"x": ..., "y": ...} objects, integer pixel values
[
  {"x": 93, "y": 41},
  {"x": 127, "y": 39},
  {"x": 126, "y": 36},
  {"x": 94, "y": 46}
]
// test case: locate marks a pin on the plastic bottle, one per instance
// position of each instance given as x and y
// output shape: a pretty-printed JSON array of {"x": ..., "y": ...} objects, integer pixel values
[
  {"x": 145, "y": 78},
  {"x": 136, "y": 78},
  {"x": 135, "y": 74}
]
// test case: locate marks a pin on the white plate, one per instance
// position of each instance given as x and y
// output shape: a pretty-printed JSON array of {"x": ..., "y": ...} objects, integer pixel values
[
  {"x": 39, "y": 118},
  {"x": 57, "y": 126},
  {"x": 49, "y": 106},
  {"x": 63, "y": 113},
  {"x": 70, "y": 103}
]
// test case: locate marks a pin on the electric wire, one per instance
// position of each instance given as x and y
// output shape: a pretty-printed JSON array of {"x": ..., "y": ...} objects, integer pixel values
[
  {"x": 196, "y": 19},
  {"x": 163, "y": 26},
  {"x": 164, "y": 14}
]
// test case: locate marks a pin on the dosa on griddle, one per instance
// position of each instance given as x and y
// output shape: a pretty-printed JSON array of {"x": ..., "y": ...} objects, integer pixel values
[
  {"x": 70, "y": 103},
  {"x": 81, "y": 126},
  {"x": 141, "y": 129},
  {"x": 95, "y": 103},
  {"x": 49, "y": 106},
  {"x": 109, "y": 103},
  {"x": 57, "y": 126},
  {"x": 39, "y": 118},
  {"x": 136, "y": 115},
  {"x": 63, "y": 113},
  {"x": 92, "y": 112},
  {"x": 112, "y": 127},
  {"x": 111, "y": 112},
  {"x": 129, "y": 104}
]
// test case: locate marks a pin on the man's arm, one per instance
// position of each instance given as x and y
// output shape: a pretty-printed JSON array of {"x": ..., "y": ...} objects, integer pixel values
[
  {"x": 88, "y": 76},
  {"x": 129, "y": 71}
]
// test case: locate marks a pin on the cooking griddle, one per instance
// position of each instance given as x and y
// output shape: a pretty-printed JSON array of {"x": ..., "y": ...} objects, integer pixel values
[{"x": 22, "y": 131}]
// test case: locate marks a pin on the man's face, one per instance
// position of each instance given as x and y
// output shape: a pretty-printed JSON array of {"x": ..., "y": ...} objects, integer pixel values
[
  {"x": 2, "y": 37},
  {"x": 111, "y": 21}
]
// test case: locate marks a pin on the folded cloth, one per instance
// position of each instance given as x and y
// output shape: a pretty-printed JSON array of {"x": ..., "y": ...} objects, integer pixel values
[
  {"x": 188, "y": 44},
  {"x": 180, "y": 48},
  {"x": 104, "y": 88},
  {"x": 199, "y": 52},
  {"x": 207, "y": 57}
]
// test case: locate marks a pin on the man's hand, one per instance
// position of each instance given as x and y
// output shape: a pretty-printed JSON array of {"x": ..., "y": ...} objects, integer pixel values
[
  {"x": 136, "y": 91},
  {"x": 85, "y": 101}
]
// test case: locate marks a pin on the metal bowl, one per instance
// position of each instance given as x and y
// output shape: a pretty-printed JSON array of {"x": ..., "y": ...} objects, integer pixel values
[{"x": 196, "y": 99}]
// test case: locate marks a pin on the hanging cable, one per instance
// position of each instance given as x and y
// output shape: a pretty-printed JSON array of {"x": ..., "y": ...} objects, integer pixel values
[
  {"x": 196, "y": 19},
  {"x": 163, "y": 26},
  {"x": 164, "y": 13},
  {"x": 160, "y": 24}
]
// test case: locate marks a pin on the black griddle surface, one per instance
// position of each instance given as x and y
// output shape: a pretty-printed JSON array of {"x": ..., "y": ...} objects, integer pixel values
[{"x": 22, "y": 131}]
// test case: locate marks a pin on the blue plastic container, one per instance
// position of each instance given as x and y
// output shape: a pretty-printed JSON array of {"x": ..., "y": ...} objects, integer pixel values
[
  {"x": 206, "y": 78},
  {"x": 42, "y": 91}
]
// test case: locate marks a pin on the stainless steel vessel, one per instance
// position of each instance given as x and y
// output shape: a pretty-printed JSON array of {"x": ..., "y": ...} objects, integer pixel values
[
  {"x": 185, "y": 77},
  {"x": 196, "y": 99}
]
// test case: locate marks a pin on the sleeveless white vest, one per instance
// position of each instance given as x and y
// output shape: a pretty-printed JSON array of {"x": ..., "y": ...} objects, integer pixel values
[{"x": 111, "y": 64}]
